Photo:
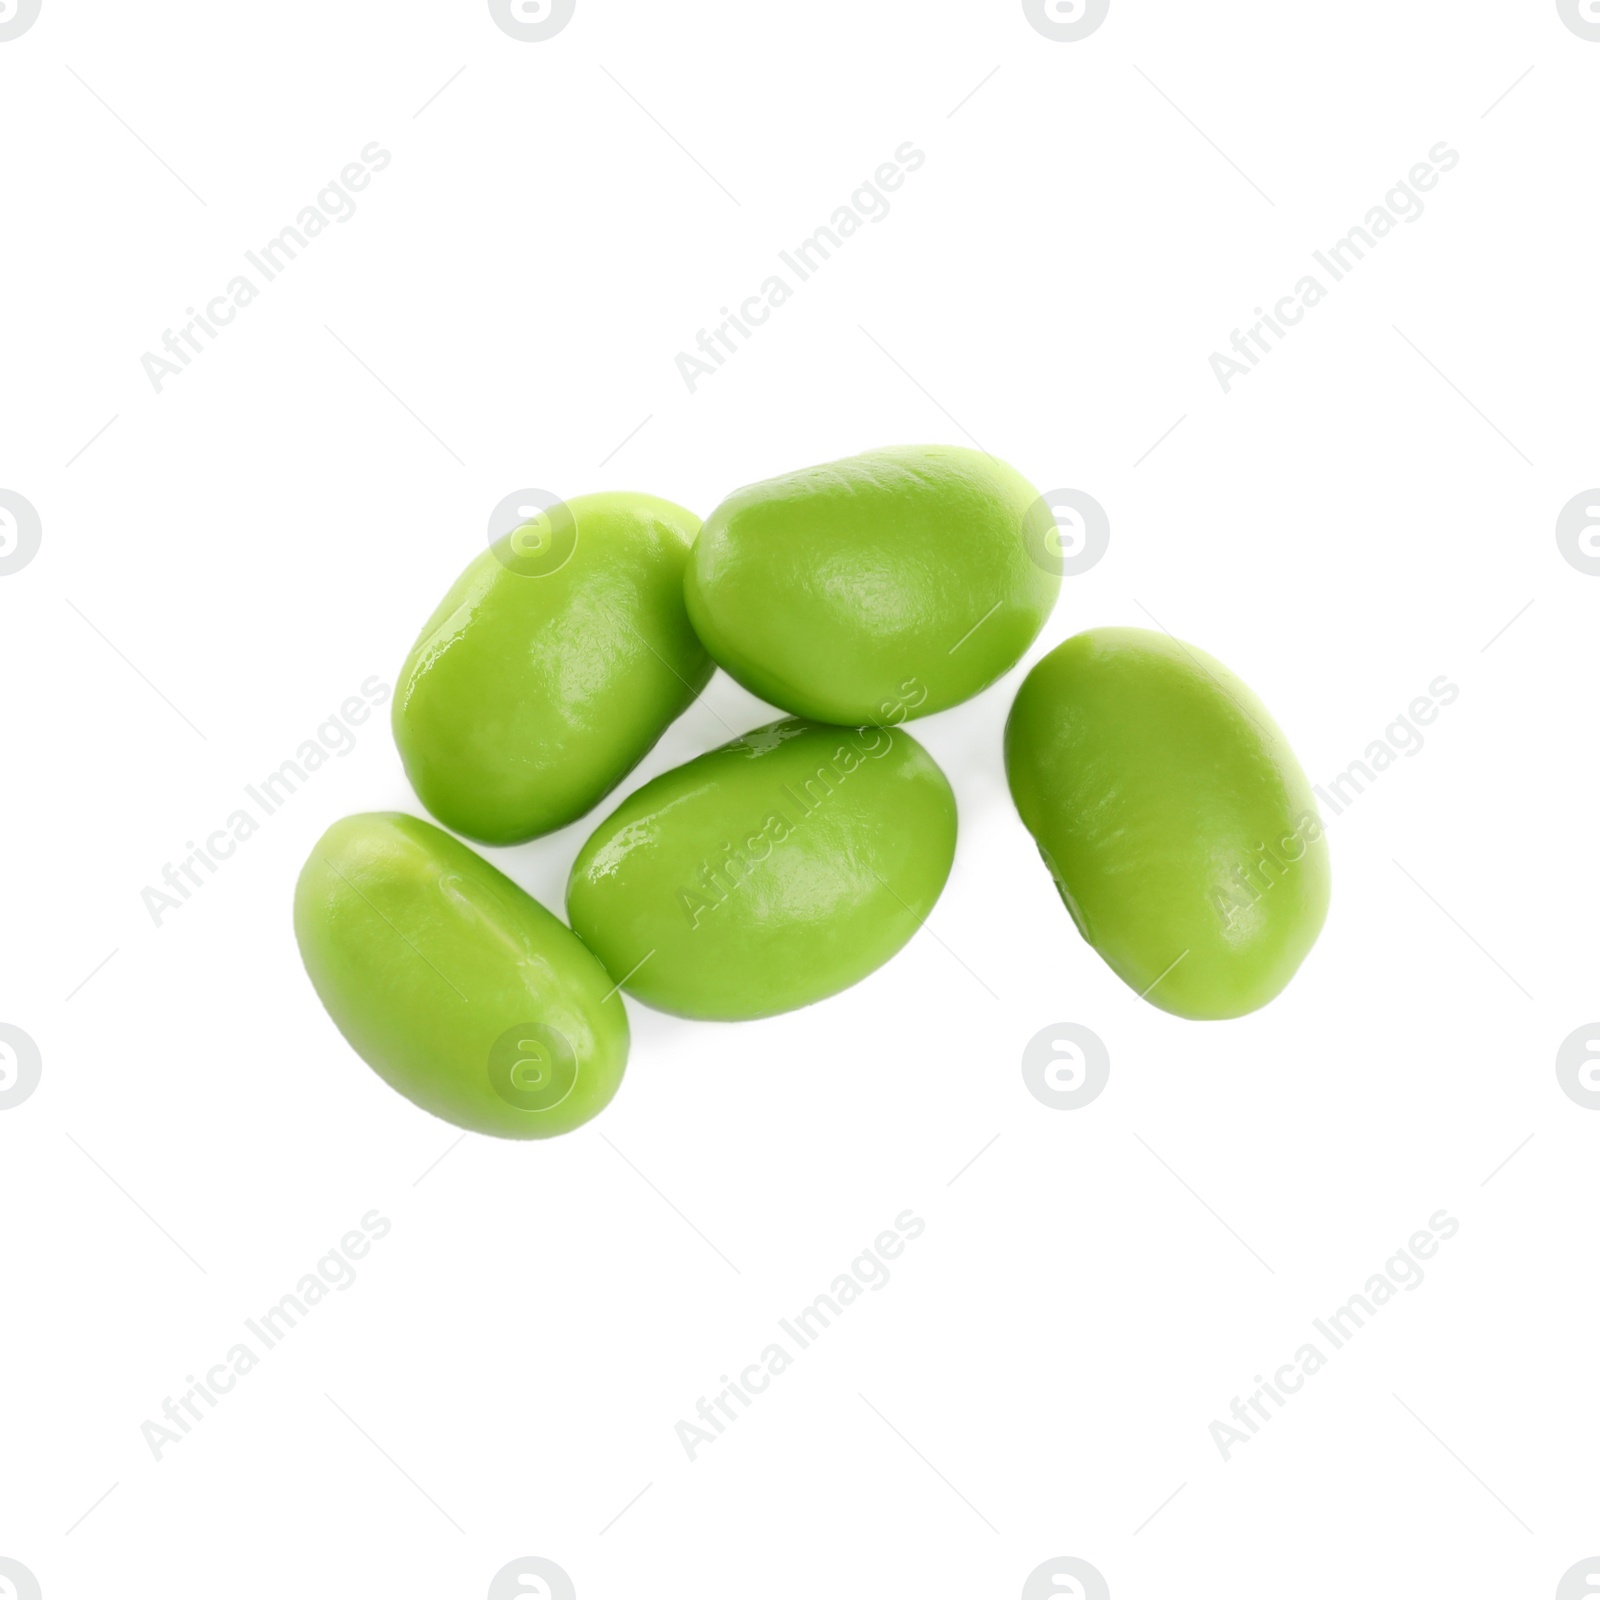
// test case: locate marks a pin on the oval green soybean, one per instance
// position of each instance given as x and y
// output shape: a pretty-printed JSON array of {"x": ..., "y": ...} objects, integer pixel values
[
  {"x": 781, "y": 868},
  {"x": 886, "y": 586},
  {"x": 1171, "y": 812},
  {"x": 452, "y": 984},
  {"x": 557, "y": 659}
]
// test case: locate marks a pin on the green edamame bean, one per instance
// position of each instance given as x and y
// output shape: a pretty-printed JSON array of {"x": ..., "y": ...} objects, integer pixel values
[
  {"x": 452, "y": 984},
  {"x": 885, "y": 586},
  {"x": 552, "y": 666},
  {"x": 1169, "y": 808},
  {"x": 769, "y": 873}
]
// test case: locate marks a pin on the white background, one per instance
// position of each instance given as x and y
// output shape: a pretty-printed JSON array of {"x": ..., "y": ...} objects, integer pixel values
[{"x": 1367, "y": 511}]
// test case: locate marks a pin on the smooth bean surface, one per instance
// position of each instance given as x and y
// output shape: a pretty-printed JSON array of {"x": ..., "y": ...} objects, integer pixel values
[
  {"x": 554, "y": 663},
  {"x": 1171, "y": 812},
  {"x": 452, "y": 984},
  {"x": 769, "y": 873},
  {"x": 886, "y": 586}
]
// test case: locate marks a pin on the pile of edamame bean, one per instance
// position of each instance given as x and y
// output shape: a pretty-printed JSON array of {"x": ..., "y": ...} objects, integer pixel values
[{"x": 788, "y": 864}]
